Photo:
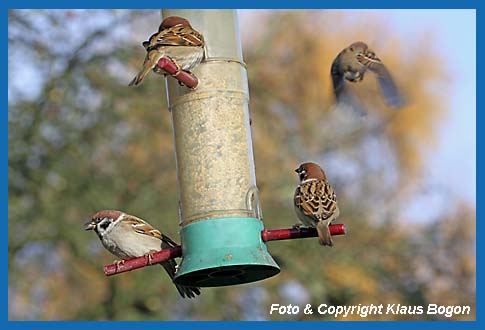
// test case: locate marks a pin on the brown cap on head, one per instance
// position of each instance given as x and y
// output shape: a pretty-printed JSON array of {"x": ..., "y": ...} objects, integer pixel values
[
  {"x": 172, "y": 21},
  {"x": 112, "y": 214},
  {"x": 310, "y": 171},
  {"x": 358, "y": 45}
]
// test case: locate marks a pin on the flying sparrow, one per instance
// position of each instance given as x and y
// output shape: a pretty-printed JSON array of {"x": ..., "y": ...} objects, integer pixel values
[
  {"x": 127, "y": 236},
  {"x": 351, "y": 65},
  {"x": 315, "y": 201},
  {"x": 175, "y": 39}
]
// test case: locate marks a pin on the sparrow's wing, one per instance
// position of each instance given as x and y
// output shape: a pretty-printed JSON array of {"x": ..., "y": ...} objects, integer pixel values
[
  {"x": 389, "y": 89},
  {"x": 142, "y": 227},
  {"x": 178, "y": 35},
  {"x": 318, "y": 200},
  {"x": 387, "y": 85},
  {"x": 344, "y": 96},
  {"x": 337, "y": 78}
]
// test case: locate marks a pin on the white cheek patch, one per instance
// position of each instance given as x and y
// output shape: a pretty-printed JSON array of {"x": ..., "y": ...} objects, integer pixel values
[{"x": 106, "y": 225}]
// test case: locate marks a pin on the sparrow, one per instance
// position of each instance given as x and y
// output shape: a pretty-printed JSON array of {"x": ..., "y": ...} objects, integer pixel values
[
  {"x": 351, "y": 64},
  {"x": 176, "y": 40},
  {"x": 127, "y": 236},
  {"x": 315, "y": 201}
]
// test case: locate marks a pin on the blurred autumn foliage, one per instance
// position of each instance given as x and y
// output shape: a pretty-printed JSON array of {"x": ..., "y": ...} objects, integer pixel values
[{"x": 80, "y": 141}]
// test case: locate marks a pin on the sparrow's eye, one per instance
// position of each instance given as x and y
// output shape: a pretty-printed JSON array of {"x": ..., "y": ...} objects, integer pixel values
[{"x": 104, "y": 224}]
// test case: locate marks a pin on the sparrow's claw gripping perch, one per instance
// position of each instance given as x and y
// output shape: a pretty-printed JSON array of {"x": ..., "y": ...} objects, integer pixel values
[
  {"x": 167, "y": 66},
  {"x": 178, "y": 67},
  {"x": 149, "y": 256},
  {"x": 176, "y": 74},
  {"x": 119, "y": 263}
]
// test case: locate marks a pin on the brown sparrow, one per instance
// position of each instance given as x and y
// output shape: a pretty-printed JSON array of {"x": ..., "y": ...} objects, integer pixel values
[
  {"x": 127, "y": 236},
  {"x": 315, "y": 201},
  {"x": 176, "y": 40},
  {"x": 351, "y": 64}
]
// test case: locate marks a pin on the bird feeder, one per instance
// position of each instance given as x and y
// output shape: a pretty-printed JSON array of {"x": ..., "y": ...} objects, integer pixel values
[
  {"x": 222, "y": 233},
  {"x": 219, "y": 210}
]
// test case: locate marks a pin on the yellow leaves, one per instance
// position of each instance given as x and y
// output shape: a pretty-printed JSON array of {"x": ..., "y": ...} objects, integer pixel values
[{"x": 351, "y": 277}]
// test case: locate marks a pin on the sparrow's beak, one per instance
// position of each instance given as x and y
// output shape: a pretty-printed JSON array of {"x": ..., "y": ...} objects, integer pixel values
[
  {"x": 297, "y": 170},
  {"x": 90, "y": 225}
]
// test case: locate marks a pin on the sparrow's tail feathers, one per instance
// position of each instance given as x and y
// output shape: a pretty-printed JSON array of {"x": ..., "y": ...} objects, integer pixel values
[
  {"x": 184, "y": 291},
  {"x": 324, "y": 236},
  {"x": 140, "y": 76},
  {"x": 348, "y": 99}
]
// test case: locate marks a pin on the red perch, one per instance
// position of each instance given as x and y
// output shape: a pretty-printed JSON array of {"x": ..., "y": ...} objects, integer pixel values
[
  {"x": 176, "y": 252},
  {"x": 182, "y": 76}
]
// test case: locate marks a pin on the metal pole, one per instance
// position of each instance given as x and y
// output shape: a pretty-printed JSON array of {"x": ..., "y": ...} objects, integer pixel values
[{"x": 220, "y": 217}]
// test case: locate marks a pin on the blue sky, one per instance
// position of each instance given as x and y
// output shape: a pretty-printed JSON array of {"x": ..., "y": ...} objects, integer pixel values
[{"x": 454, "y": 159}]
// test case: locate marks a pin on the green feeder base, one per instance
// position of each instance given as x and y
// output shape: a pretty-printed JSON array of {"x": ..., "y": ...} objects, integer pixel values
[{"x": 224, "y": 251}]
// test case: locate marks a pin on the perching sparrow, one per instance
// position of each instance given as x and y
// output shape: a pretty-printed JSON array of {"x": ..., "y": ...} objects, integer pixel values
[
  {"x": 315, "y": 201},
  {"x": 351, "y": 64},
  {"x": 175, "y": 39},
  {"x": 127, "y": 236}
]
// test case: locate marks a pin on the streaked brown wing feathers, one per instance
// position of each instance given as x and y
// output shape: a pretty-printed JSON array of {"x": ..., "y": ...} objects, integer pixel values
[
  {"x": 142, "y": 227},
  {"x": 316, "y": 199},
  {"x": 178, "y": 35}
]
